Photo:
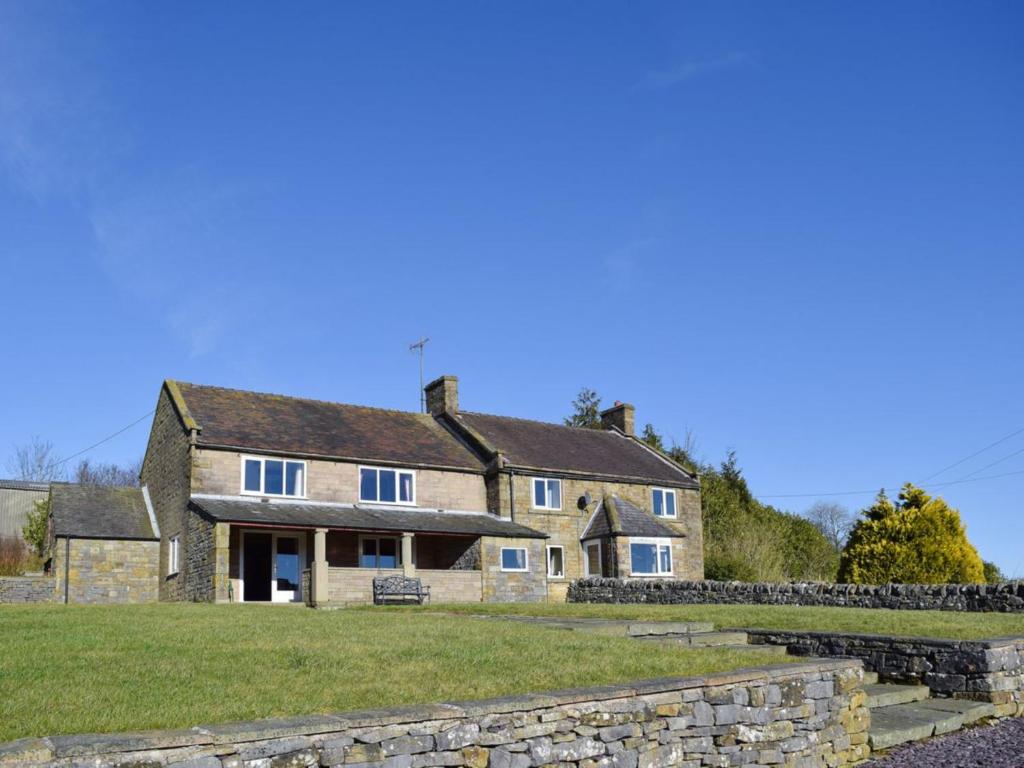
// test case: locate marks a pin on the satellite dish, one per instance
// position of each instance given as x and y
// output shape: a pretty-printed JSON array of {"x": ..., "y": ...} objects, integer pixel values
[{"x": 585, "y": 500}]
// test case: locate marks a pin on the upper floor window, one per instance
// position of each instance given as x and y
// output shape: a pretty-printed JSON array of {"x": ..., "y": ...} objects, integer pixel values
[
  {"x": 388, "y": 486},
  {"x": 547, "y": 493},
  {"x": 273, "y": 477},
  {"x": 664, "y": 502}
]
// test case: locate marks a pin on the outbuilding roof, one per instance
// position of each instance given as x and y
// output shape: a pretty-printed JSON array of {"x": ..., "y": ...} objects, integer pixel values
[
  {"x": 256, "y": 421},
  {"x": 99, "y": 512},
  {"x": 615, "y": 516},
  {"x": 360, "y": 517},
  {"x": 540, "y": 445}
]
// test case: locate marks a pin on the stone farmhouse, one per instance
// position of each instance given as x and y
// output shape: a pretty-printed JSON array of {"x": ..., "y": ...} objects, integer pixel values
[{"x": 265, "y": 498}]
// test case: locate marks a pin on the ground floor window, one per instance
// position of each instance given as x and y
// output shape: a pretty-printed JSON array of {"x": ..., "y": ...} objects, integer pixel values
[
  {"x": 650, "y": 557},
  {"x": 174, "y": 546},
  {"x": 514, "y": 559},
  {"x": 380, "y": 552},
  {"x": 556, "y": 562},
  {"x": 592, "y": 558}
]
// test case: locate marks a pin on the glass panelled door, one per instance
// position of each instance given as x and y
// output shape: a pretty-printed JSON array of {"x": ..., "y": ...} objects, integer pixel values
[{"x": 287, "y": 569}]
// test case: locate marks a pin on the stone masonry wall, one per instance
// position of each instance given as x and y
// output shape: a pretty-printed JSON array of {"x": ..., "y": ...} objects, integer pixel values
[
  {"x": 107, "y": 571},
  {"x": 509, "y": 586},
  {"x": 799, "y": 716},
  {"x": 166, "y": 471},
  {"x": 1006, "y": 597},
  {"x": 983, "y": 670},
  {"x": 27, "y": 589},
  {"x": 207, "y": 560},
  {"x": 354, "y": 586}
]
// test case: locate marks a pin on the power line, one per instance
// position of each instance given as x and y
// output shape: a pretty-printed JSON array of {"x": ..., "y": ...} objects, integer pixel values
[
  {"x": 976, "y": 453},
  {"x": 989, "y": 466},
  {"x": 887, "y": 490},
  {"x": 106, "y": 439}
]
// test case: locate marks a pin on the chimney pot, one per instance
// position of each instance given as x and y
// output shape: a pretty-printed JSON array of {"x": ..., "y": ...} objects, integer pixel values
[
  {"x": 443, "y": 395},
  {"x": 621, "y": 416}
]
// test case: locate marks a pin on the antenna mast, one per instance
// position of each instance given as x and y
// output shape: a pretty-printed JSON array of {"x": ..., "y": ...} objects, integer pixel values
[{"x": 419, "y": 345}]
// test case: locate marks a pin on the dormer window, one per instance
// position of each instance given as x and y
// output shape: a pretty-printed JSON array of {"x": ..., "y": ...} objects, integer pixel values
[
  {"x": 387, "y": 486},
  {"x": 273, "y": 477}
]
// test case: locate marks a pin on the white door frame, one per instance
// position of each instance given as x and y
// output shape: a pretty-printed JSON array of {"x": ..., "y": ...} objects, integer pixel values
[{"x": 275, "y": 596}]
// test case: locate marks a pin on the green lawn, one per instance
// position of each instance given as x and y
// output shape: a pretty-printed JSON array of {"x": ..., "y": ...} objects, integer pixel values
[
  {"x": 954, "y": 626},
  {"x": 74, "y": 669}
]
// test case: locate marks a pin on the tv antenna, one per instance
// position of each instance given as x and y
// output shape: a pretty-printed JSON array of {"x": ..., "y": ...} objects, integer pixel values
[{"x": 419, "y": 345}]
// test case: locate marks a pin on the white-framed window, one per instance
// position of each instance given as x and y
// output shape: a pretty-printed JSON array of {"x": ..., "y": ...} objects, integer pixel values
[
  {"x": 664, "y": 502},
  {"x": 273, "y": 477},
  {"x": 173, "y": 555},
  {"x": 547, "y": 493},
  {"x": 387, "y": 486},
  {"x": 556, "y": 562},
  {"x": 380, "y": 552},
  {"x": 650, "y": 557},
  {"x": 592, "y": 558},
  {"x": 515, "y": 559}
]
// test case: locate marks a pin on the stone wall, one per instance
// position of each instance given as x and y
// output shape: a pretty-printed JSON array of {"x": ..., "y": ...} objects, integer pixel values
[
  {"x": 27, "y": 589},
  {"x": 207, "y": 561},
  {"x": 107, "y": 571},
  {"x": 354, "y": 586},
  {"x": 984, "y": 670},
  {"x": 510, "y": 586},
  {"x": 166, "y": 471},
  {"x": 794, "y": 715},
  {"x": 1007, "y": 597}
]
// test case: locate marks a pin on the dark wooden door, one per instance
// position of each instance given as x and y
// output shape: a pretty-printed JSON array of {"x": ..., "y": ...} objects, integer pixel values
[{"x": 257, "y": 570}]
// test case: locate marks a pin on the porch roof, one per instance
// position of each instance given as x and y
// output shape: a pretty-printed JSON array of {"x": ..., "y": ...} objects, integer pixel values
[
  {"x": 615, "y": 516},
  {"x": 359, "y": 517}
]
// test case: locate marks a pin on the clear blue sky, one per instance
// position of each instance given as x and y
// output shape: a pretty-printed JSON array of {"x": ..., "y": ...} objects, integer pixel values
[{"x": 796, "y": 229}]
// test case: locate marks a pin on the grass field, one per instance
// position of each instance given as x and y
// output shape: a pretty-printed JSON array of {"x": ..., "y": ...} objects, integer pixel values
[
  {"x": 76, "y": 669},
  {"x": 954, "y": 626}
]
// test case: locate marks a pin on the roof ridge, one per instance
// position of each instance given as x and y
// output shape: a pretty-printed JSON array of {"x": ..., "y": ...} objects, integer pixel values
[
  {"x": 570, "y": 427},
  {"x": 429, "y": 417}
]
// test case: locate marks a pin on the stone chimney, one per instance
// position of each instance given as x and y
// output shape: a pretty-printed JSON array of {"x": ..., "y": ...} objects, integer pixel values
[
  {"x": 622, "y": 416},
  {"x": 443, "y": 395}
]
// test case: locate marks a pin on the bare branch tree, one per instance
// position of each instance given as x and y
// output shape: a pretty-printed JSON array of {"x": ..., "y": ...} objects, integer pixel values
[
  {"x": 833, "y": 520},
  {"x": 107, "y": 474},
  {"x": 36, "y": 461}
]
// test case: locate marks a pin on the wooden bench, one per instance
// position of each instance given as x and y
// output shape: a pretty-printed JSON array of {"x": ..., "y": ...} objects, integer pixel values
[{"x": 401, "y": 589}]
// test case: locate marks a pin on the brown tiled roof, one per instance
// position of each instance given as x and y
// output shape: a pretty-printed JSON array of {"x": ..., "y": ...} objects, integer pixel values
[
  {"x": 617, "y": 517},
  {"x": 361, "y": 517},
  {"x": 290, "y": 425},
  {"x": 554, "y": 447},
  {"x": 99, "y": 512}
]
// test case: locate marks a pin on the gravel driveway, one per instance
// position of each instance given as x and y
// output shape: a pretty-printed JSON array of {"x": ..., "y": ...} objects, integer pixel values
[{"x": 996, "y": 746}]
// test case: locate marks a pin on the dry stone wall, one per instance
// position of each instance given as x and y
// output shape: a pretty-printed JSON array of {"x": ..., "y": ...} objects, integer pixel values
[
  {"x": 1007, "y": 597},
  {"x": 27, "y": 589},
  {"x": 983, "y": 670},
  {"x": 799, "y": 716}
]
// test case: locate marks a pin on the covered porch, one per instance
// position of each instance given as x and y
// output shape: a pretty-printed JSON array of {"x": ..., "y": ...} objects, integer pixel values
[{"x": 325, "y": 554}]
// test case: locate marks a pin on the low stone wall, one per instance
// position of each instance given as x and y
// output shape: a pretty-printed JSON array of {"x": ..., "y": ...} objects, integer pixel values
[
  {"x": 107, "y": 570},
  {"x": 26, "y": 589},
  {"x": 354, "y": 586},
  {"x": 796, "y": 715},
  {"x": 984, "y": 670},
  {"x": 1006, "y": 597}
]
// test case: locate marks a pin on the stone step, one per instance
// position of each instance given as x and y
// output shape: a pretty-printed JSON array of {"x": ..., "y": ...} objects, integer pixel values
[
  {"x": 901, "y": 723},
  {"x": 972, "y": 711},
  {"x": 887, "y": 694},
  {"x": 700, "y": 639},
  {"x": 654, "y": 628},
  {"x": 870, "y": 678},
  {"x": 775, "y": 650}
]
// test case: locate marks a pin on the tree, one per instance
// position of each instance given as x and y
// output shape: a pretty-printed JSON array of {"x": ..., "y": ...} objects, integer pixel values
[
  {"x": 833, "y": 520},
  {"x": 915, "y": 540},
  {"x": 36, "y": 530},
  {"x": 36, "y": 461},
  {"x": 993, "y": 574},
  {"x": 652, "y": 438},
  {"x": 586, "y": 410},
  {"x": 107, "y": 474}
]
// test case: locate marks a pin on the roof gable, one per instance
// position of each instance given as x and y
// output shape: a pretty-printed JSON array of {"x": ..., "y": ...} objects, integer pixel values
[
  {"x": 255, "y": 421},
  {"x": 554, "y": 447}
]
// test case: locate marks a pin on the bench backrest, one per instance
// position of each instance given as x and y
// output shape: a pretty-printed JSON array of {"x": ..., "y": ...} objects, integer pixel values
[{"x": 397, "y": 585}]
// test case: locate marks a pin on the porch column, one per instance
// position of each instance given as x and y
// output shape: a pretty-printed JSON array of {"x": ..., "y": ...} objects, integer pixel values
[
  {"x": 408, "y": 566},
  {"x": 318, "y": 574}
]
